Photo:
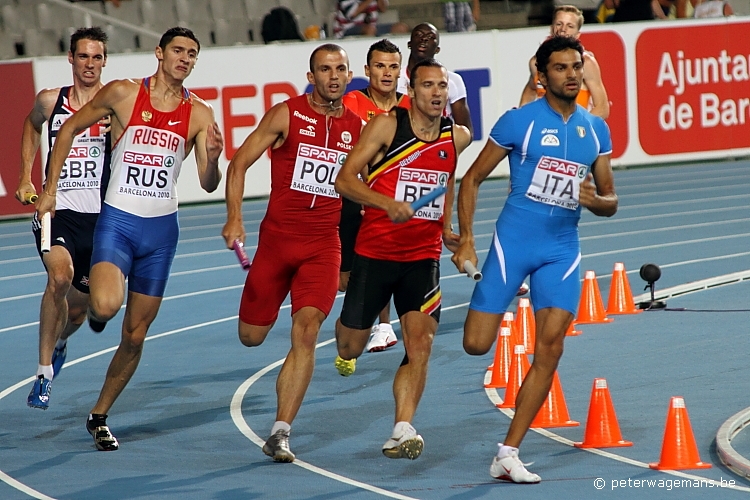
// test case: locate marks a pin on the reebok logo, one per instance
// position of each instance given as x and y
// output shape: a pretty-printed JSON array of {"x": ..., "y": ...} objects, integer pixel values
[
  {"x": 170, "y": 122},
  {"x": 306, "y": 118}
]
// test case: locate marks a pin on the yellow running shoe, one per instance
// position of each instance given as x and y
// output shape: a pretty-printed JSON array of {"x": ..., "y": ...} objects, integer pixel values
[{"x": 345, "y": 367}]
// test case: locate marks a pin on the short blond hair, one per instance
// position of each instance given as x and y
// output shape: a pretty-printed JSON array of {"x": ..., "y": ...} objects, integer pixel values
[{"x": 569, "y": 8}]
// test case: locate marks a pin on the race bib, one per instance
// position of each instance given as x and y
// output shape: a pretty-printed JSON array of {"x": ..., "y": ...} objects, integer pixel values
[
  {"x": 315, "y": 170},
  {"x": 414, "y": 183},
  {"x": 557, "y": 182},
  {"x": 146, "y": 175},
  {"x": 82, "y": 168}
]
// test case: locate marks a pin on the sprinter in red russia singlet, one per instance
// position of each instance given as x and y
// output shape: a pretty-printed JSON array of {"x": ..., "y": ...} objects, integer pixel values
[
  {"x": 155, "y": 123},
  {"x": 147, "y": 157},
  {"x": 408, "y": 153},
  {"x": 298, "y": 248},
  {"x": 380, "y": 96}
]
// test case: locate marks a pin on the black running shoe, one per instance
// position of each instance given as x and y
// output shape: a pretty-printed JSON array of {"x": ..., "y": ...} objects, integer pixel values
[
  {"x": 97, "y": 326},
  {"x": 103, "y": 438}
]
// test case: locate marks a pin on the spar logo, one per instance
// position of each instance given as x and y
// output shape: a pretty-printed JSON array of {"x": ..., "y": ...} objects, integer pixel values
[
  {"x": 563, "y": 167},
  {"x": 147, "y": 159},
  {"x": 422, "y": 176}
]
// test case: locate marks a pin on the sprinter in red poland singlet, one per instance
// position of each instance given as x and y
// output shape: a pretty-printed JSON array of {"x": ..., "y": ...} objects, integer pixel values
[
  {"x": 408, "y": 153},
  {"x": 298, "y": 245}
]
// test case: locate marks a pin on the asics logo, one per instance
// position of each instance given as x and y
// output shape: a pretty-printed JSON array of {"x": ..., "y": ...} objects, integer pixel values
[{"x": 170, "y": 122}]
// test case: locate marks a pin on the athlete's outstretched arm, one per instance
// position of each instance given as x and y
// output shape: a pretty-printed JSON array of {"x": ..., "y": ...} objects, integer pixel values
[
  {"x": 271, "y": 131},
  {"x": 103, "y": 104},
  {"x": 592, "y": 77},
  {"x": 30, "y": 139},
  {"x": 208, "y": 145},
  {"x": 376, "y": 137},
  {"x": 488, "y": 158},
  {"x": 529, "y": 90},
  {"x": 599, "y": 197}
]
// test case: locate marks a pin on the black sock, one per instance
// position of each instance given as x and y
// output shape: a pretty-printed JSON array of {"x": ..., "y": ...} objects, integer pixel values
[{"x": 97, "y": 419}]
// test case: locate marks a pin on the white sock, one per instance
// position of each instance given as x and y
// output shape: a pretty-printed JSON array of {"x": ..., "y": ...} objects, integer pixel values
[
  {"x": 280, "y": 425},
  {"x": 47, "y": 371},
  {"x": 401, "y": 429},
  {"x": 503, "y": 451},
  {"x": 61, "y": 343}
]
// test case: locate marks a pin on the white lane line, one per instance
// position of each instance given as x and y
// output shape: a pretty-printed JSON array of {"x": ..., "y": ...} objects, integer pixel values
[
  {"x": 22, "y": 487},
  {"x": 235, "y": 409},
  {"x": 664, "y": 229},
  {"x": 16, "y": 261},
  {"x": 23, "y": 276},
  {"x": 13, "y": 483},
  {"x": 19, "y": 297},
  {"x": 18, "y": 327},
  {"x": 496, "y": 399}
]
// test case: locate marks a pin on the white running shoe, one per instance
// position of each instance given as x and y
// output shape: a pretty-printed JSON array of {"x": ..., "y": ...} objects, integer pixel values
[
  {"x": 523, "y": 290},
  {"x": 381, "y": 338},
  {"x": 510, "y": 468},
  {"x": 409, "y": 445}
]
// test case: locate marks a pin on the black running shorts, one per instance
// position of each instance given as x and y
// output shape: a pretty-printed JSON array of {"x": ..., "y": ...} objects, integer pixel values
[{"x": 415, "y": 286}]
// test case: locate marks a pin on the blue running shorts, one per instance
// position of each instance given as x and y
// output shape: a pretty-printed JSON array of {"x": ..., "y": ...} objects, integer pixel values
[
  {"x": 142, "y": 247},
  {"x": 526, "y": 243}
]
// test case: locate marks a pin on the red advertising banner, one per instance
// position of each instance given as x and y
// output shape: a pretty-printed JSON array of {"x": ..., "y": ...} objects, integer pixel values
[
  {"x": 609, "y": 50},
  {"x": 693, "y": 88},
  {"x": 17, "y": 89}
]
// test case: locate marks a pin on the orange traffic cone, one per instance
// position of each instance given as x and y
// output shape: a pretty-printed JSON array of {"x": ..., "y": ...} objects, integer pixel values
[
  {"x": 519, "y": 366},
  {"x": 602, "y": 429},
  {"x": 525, "y": 325},
  {"x": 554, "y": 411},
  {"x": 507, "y": 322},
  {"x": 620, "y": 296},
  {"x": 501, "y": 366},
  {"x": 572, "y": 332},
  {"x": 591, "y": 308},
  {"x": 678, "y": 450}
]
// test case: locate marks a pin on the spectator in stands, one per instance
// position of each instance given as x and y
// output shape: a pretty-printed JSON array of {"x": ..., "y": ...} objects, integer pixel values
[
  {"x": 702, "y": 8},
  {"x": 567, "y": 20},
  {"x": 460, "y": 15},
  {"x": 633, "y": 10},
  {"x": 280, "y": 24},
  {"x": 664, "y": 9},
  {"x": 357, "y": 17},
  {"x": 711, "y": 8}
]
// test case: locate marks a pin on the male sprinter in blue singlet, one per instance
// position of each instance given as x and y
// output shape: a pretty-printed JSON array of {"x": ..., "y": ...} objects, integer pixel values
[
  {"x": 156, "y": 122},
  {"x": 66, "y": 296},
  {"x": 556, "y": 149}
]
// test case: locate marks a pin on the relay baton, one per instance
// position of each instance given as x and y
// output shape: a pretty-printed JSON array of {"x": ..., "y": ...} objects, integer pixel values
[
  {"x": 46, "y": 232},
  {"x": 424, "y": 200},
  {"x": 30, "y": 198},
  {"x": 471, "y": 271},
  {"x": 239, "y": 249}
]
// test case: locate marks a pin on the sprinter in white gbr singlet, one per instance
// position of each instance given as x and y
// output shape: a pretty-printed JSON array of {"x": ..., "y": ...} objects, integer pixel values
[
  {"x": 68, "y": 260},
  {"x": 155, "y": 124}
]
